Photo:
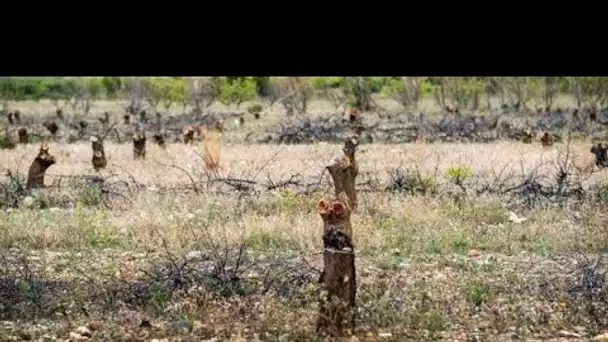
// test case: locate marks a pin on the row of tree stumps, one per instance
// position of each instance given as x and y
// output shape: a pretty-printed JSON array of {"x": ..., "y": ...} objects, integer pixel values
[{"x": 338, "y": 282}]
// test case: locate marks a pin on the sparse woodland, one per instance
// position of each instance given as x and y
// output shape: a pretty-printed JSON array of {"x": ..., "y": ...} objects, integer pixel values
[{"x": 304, "y": 209}]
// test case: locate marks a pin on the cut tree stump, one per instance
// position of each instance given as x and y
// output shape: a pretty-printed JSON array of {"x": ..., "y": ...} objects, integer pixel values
[
  {"x": 212, "y": 144},
  {"x": 344, "y": 170},
  {"x": 338, "y": 282}
]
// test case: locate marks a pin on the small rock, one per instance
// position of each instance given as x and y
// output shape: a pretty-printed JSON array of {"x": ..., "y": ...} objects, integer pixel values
[
  {"x": 74, "y": 336},
  {"x": 474, "y": 253},
  {"x": 197, "y": 326},
  {"x": 94, "y": 325},
  {"x": 568, "y": 334},
  {"x": 601, "y": 338},
  {"x": 385, "y": 335},
  {"x": 53, "y": 209},
  {"x": 193, "y": 255},
  {"x": 514, "y": 218},
  {"x": 84, "y": 331},
  {"x": 47, "y": 338}
]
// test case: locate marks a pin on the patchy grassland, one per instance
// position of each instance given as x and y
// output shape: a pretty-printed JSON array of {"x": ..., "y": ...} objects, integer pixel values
[{"x": 171, "y": 255}]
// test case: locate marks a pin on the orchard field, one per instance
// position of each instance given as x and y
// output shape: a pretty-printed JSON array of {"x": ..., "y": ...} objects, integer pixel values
[{"x": 469, "y": 228}]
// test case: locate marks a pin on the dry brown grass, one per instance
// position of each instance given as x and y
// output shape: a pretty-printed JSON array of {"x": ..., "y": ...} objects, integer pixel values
[
  {"x": 276, "y": 162},
  {"x": 309, "y": 160}
]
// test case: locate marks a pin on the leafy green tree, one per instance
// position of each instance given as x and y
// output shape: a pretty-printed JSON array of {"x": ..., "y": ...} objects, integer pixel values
[
  {"x": 236, "y": 90},
  {"x": 8, "y": 92},
  {"x": 327, "y": 82},
  {"x": 81, "y": 92},
  {"x": 359, "y": 92},
  {"x": 56, "y": 91},
  {"x": 111, "y": 86},
  {"x": 407, "y": 90},
  {"x": 590, "y": 91},
  {"x": 153, "y": 90},
  {"x": 176, "y": 92}
]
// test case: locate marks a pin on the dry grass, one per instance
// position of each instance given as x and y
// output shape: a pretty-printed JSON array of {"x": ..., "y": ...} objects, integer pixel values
[
  {"x": 416, "y": 278},
  {"x": 309, "y": 160},
  {"x": 415, "y": 224}
]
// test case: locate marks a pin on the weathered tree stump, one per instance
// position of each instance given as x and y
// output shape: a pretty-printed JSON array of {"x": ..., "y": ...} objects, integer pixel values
[
  {"x": 139, "y": 145},
  {"x": 35, "y": 176},
  {"x": 188, "y": 134},
  {"x": 99, "y": 160},
  {"x": 82, "y": 128},
  {"x": 59, "y": 113},
  {"x": 52, "y": 127},
  {"x": 23, "y": 136},
  {"x": 338, "y": 282},
  {"x": 105, "y": 121},
  {"x": 344, "y": 170},
  {"x": 547, "y": 139},
  {"x": 17, "y": 116},
  {"x": 159, "y": 139}
]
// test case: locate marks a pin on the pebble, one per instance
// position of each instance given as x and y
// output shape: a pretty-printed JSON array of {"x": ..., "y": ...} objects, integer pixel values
[
  {"x": 84, "y": 331},
  {"x": 564, "y": 333},
  {"x": 74, "y": 336}
]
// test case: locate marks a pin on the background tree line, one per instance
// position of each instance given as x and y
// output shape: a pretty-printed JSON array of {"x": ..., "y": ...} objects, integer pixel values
[{"x": 295, "y": 93}]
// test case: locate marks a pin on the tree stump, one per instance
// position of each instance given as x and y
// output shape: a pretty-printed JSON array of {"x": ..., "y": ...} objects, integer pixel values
[
  {"x": 338, "y": 283},
  {"x": 35, "y": 176},
  {"x": 344, "y": 170},
  {"x": 23, "y": 136},
  {"x": 212, "y": 144}
]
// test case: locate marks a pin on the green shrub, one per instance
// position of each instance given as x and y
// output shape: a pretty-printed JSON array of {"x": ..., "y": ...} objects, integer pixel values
[
  {"x": 255, "y": 108},
  {"x": 7, "y": 143},
  {"x": 458, "y": 174}
]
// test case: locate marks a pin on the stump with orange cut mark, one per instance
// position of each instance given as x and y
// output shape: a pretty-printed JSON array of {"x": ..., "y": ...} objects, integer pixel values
[
  {"x": 344, "y": 170},
  {"x": 337, "y": 300},
  {"x": 212, "y": 144}
]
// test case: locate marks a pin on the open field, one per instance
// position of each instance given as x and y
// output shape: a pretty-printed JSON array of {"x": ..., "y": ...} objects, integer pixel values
[{"x": 162, "y": 249}]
